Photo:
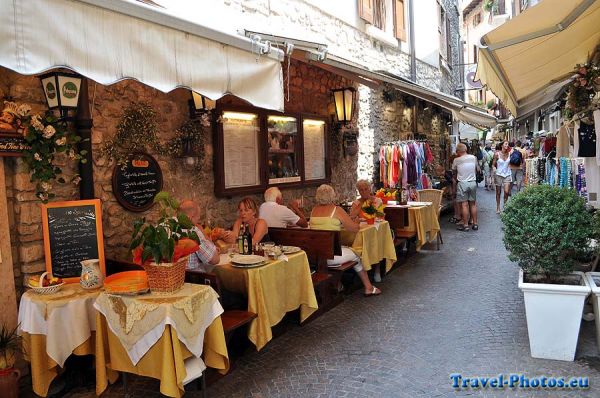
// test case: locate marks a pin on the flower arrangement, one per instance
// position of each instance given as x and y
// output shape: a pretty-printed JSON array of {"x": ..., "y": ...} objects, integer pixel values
[
  {"x": 582, "y": 90},
  {"x": 136, "y": 131},
  {"x": 169, "y": 240},
  {"x": 370, "y": 210},
  {"x": 386, "y": 194},
  {"x": 46, "y": 137}
]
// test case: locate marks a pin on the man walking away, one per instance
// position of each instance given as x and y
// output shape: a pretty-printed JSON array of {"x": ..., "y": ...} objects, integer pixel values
[
  {"x": 465, "y": 169},
  {"x": 517, "y": 165}
]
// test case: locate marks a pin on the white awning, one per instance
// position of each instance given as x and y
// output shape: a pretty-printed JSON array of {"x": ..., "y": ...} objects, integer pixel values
[
  {"x": 460, "y": 110},
  {"x": 111, "y": 40},
  {"x": 538, "y": 49}
]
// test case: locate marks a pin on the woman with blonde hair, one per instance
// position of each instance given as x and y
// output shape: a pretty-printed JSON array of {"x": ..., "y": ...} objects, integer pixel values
[
  {"x": 326, "y": 215},
  {"x": 248, "y": 214}
]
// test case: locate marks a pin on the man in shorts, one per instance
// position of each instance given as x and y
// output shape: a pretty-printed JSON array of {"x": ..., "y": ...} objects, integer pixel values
[
  {"x": 465, "y": 168},
  {"x": 517, "y": 169}
]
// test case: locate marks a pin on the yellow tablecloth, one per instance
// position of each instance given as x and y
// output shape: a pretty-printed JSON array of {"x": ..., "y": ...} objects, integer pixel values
[
  {"x": 372, "y": 244},
  {"x": 43, "y": 368},
  {"x": 424, "y": 221},
  {"x": 164, "y": 361},
  {"x": 272, "y": 290}
]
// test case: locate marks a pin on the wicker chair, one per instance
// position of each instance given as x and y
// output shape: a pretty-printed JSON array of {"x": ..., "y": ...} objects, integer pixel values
[{"x": 435, "y": 197}]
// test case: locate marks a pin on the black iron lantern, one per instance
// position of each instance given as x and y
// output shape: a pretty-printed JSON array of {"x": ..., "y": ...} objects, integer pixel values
[
  {"x": 344, "y": 104},
  {"x": 61, "y": 91},
  {"x": 200, "y": 104}
]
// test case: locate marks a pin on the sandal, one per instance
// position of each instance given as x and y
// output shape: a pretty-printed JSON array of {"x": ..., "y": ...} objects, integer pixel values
[
  {"x": 374, "y": 292},
  {"x": 461, "y": 227},
  {"x": 475, "y": 227},
  {"x": 453, "y": 220}
]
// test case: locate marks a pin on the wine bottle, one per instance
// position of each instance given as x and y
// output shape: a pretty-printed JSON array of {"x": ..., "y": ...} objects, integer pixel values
[
  {"x": 240, "y": 240},
  {"x": 247, "y": 241}
]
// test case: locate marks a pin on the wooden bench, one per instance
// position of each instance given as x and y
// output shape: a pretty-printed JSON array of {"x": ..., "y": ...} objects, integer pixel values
[{"x": 319, "y": 246}]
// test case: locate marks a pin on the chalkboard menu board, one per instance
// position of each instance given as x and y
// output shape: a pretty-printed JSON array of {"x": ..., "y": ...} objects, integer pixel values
[
  {"x": 12, "y": 146},
  {"x": 72, "y": 233},
  {"x": 136, "y": 184}
]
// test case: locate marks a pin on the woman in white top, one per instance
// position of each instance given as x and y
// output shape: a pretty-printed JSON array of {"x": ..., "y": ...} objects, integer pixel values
[{"x": 502, "y": 174}]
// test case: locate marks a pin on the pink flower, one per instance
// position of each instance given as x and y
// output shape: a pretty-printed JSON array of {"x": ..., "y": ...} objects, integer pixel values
[
  {"x": 48, "y": 132},
  {"x": 37, "y": 157},
  {"x": 36, "y": 122},
  {"x": 582, "y": 71},
  {"x": 583, "y": 82}
]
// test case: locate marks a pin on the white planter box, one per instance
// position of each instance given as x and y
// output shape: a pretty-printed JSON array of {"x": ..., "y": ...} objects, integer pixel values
[
  {"x": 554, "y": 317},
  {"x": 595, "y": 300}
]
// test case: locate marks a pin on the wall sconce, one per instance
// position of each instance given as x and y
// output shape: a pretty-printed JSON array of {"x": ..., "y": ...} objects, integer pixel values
[
  {"x": 344, "y": 104},
  {"x": 190, "y": 157},
  {"x": 200, "y": 104},
  {"x": 61, "y": 91}
]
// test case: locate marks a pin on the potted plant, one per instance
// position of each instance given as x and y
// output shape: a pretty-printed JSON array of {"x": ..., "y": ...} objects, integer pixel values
[
  {"x": 546, "y": 229},
  {"x": 385, "y": 195},
  {"x": 370, "y": 211},
  {"x": 10, "y": 346},
  {"x": 162, "y": 248}
]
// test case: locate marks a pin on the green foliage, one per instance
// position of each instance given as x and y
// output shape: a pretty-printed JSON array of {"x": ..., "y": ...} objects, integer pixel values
[
  {"x": 582, "y": 89},
  {"x": 546, "y": 229},
  {"x": 489, "y": 5},
  {"x": 46, "y": 137},
  {"x": 136, "y": 131},
  {"x": 491, "y": 104},
  {"x": 10, "y": 343},
  {"x": 159, "y": 241},
  {"x": 196, "y": 131}
]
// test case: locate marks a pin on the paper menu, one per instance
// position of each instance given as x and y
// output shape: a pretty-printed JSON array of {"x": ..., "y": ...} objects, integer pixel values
[
  {"x": 240, "y": 153},
  {"x": 314, "y": 151}
]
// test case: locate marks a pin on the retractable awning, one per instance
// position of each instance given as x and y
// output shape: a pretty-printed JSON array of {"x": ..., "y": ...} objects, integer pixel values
[
  {"x": 112, "y": 40},
  {"x": 538, "y": 49},
  {"x": 460, "y": 110}
]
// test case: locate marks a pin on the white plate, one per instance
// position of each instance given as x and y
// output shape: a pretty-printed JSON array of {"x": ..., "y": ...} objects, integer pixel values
[
  {"x": 290, "y": 249},
  {"x": 249, "y": 265},
  {"x": 419, "y": 204},
  {"x": 249, "y": 259}
]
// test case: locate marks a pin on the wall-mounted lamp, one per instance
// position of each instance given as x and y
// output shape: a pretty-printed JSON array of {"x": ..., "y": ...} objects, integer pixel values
[
  {"x": 200, "y": 104},
  {"x": 189, "y": 155},
  {"x": 61, "y": 91},
  {"x": 344, "y": 104}
]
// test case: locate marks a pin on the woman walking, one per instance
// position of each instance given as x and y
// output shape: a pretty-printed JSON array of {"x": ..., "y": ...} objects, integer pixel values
[{"x": 503, "y": 177}]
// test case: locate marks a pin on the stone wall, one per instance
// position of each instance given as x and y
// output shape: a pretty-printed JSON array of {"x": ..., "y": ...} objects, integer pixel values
[{"x": 309, "y": 92}]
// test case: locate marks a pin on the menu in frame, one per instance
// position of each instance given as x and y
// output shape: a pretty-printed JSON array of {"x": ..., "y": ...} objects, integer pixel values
[
  {"x": 240, "y": 149},
  {"x": 314, "y": 149}
]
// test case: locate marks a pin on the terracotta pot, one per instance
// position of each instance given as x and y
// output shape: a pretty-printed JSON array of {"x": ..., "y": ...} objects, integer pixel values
[
  {"x": 370, "y": 221},
  {"x": 9, "y": 383}
]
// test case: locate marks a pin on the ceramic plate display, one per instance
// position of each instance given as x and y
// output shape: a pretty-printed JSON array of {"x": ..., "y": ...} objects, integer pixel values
[
  {"x": 127, "y": 283},
  {"x": 250, "y": 259},
  {"x": 290, "y": 249}
]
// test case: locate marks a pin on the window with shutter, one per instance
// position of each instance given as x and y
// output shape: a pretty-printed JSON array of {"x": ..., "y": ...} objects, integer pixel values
[
  {"x": 365, "y": 10},
  {"x": 399, "y": 22}
]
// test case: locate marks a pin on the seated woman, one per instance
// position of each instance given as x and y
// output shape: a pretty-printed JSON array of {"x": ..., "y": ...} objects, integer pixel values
[
  {"x": 326, "y": 215},
  {"x": 248, "y": 214},
  {"x": 365, "y": 192}
]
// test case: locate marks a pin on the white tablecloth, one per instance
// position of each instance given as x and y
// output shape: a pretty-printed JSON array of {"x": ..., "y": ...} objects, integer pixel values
[{"x": 67, "y": 319}]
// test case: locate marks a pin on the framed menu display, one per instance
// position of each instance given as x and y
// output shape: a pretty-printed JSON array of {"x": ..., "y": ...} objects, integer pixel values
[
  {"x": 240, "y": 149},
  {"x": 72, "y": 233},
  {"x": 258, "y": 148},
  {"x": 314, "y": 149}
]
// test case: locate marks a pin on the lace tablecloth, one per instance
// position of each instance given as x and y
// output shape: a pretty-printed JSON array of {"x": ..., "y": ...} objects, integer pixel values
[{"x": 139, "y": 321}]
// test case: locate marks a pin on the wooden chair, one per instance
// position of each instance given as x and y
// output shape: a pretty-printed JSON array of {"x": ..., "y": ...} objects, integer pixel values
[
  {"x": 435, "y": 197},
  {"x": 397, "y": 217},
  {"x": 232, "y": 319}
]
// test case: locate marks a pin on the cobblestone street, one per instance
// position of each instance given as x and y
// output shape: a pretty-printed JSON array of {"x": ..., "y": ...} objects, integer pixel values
[{"x": 457, "y": 310}]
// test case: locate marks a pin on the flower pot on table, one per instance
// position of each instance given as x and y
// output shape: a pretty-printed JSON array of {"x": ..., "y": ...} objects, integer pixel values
[
  {"x": 166, "y": 277},
  {"x": 553, "y": 314}
]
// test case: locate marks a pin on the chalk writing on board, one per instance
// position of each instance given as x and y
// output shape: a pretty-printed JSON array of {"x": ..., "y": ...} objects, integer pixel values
[{"x": 136, "y": 184}]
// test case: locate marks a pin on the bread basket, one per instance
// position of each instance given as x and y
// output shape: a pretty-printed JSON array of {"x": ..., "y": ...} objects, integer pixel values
[{"x": 45, "y": 289}]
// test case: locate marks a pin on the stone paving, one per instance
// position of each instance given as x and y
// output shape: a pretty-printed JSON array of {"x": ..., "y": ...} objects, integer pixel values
[{"x": 457, "y": 310}]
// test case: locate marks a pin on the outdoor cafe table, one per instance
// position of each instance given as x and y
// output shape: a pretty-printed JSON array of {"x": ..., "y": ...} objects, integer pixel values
[
  {"x": 272, "y": 290},
  {"x": 162, "y": 336},
  {"x": 53, "y": 327},
  {"x": 372, "y": 243},
  {"x": 424, "y": 221}
]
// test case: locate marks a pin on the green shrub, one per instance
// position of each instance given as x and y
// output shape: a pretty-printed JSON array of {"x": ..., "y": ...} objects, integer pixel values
[{"x": 546, "y": 229}]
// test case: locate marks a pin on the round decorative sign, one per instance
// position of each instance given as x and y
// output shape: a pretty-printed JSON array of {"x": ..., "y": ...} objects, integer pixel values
[
  {"x": 69, "y": 90},
  {"x": 136, "y": 184},
  {"x": 50, "y": 91}
]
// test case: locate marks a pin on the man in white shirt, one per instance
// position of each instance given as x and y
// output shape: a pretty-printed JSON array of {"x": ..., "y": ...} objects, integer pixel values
[
  {"x": 465, "y": 168},
  {"x": 279, "y": 216}
]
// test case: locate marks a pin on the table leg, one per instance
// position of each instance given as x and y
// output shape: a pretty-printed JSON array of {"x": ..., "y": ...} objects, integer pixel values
[{"x": 126, "y": 385}]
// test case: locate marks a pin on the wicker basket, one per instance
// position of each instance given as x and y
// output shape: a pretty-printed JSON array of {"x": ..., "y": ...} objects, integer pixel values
[{"x": 166, "y": 277}]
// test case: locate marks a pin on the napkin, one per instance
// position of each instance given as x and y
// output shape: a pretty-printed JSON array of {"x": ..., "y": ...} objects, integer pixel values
[{"x": 283, "y": 257}]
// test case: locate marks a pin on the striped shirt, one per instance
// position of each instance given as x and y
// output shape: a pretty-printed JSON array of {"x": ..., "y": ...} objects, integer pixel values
[{"x": 200, "y": 259}]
